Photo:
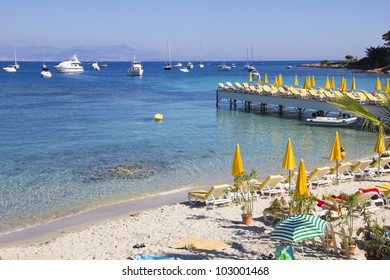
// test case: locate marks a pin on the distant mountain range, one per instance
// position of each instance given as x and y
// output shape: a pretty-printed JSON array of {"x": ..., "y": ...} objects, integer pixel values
[{"x": 84, "y": 53}]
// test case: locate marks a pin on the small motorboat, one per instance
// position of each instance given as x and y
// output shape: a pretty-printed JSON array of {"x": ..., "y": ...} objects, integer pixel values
[
  {"x": 185, "y": 70},
  {"x": 332, "y": 121},
  {"x": 223, "y": 67},
  {"x": 9, "y": 69},
  {"x": 190, "y": 65},
  {"x": 95, "y": 66},
  {"x": 45, "y": 73}
]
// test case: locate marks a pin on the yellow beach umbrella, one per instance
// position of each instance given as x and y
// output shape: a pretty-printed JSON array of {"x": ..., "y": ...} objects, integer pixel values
[
  {"x": 250, "y": 77},
  {"x": 265, "y": 78},
  {"x": 313, "y": 81},
  {"x": 237, "y": 167},
  {"x": 387, "y": 86},
  {"x": 353, "y": 84},
  {"x": 380, "y": 148},
  {"x": 308, "y": 82},
  {"x": 289, "y": 161},
  {"x": 327, "y": 83},
  {"x": 332, "y": 86},
  {"x": 343, "y": 85},
  {"x": 378, "y": 85},
  {"x": 336, "y": 155},
  {"x": 276, "y": 82},
  {"x": 296, "y": 83},
  {"x": 301, "y": 186},
  {"x": 258, "y": 80},
  {"x": 280, "y": 80}
]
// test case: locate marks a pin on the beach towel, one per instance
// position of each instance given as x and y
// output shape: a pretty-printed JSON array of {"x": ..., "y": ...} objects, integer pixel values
[
  {"x": 198, "y": 243},
  {"x": 151, "y": 257}
]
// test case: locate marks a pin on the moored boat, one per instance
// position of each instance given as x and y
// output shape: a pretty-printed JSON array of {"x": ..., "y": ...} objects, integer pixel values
[
  {"x": 9, "y": 69},
  {"x": 135, "y": 68},
  {"x": 45, "y": 73},
  {"x": 95, "y": 66},
  {"x": 332, "y": 121},
  {"x": 70, "y": 66}
]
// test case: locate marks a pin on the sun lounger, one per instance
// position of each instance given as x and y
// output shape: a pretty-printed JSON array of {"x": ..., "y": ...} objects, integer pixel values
[
  {"x": 284, "y": 183},
  {"x": 270, "y": 185},
  {"x": 318, "y": 177},
  {"x": 216, "y": 195},
  {"x": 222, "y": 86},
  {"x": 343, "y": 172},
  {"x": 361, "y": 169},
  {"x": 327, "y": 209},
  {"x": 380, "y": 193},
  {"x": 383, "y": 168},
  {"x": 271, "y": 216},
  {"x": 372, "y": 98},
  {"x": 230, "y": 86}
]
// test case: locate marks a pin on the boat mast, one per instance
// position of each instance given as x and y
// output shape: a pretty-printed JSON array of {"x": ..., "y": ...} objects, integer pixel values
[{"x": 169, "y": 53}]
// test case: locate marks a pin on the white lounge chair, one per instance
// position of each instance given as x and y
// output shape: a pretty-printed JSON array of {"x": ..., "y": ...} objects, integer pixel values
[
  {"x": 383, "y": 168},
  {"x": 270, "y": 185},
  {"x": 343, "y": 172},
  {"x": 216, "y": 195},
  {"x": 318, "y": 177},
  {"x": 361, "y": 169}
]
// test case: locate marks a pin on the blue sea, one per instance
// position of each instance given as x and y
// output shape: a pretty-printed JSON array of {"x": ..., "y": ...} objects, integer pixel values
[{"x": 62, "y": 138}]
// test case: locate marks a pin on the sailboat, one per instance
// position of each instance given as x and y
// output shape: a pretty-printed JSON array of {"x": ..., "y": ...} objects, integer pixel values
[
  {"x": 201, "y": 65},
  {"x": 248, "y": 66},
  {"x": 168, "y": 65},
  {"x": 16, "y": 65}
]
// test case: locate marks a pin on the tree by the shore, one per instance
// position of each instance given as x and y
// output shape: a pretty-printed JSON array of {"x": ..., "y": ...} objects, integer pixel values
[{"x": 377, "y": 59}]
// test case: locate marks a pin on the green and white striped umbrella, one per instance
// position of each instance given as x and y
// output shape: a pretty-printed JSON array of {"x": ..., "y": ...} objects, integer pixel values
[{"x": 298, "y": 227}]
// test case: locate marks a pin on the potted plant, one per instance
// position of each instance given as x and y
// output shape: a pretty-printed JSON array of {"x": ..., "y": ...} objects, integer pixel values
[
  {"x": 375, "y": 239},
  {"x": 246, "y": 193},
  {"x": 346, "y": 224}
]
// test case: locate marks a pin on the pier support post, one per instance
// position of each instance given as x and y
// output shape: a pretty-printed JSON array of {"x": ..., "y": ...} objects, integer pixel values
[
  {"x": 281, "y": 107},
  {"x": 216, "y": 101}
]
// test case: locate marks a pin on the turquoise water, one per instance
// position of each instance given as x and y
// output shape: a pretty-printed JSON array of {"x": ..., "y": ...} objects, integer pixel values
[{"x": 60, "y": 137}]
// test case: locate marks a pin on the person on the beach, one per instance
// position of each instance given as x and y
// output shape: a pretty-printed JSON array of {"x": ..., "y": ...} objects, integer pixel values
[{"x": 343, "y": 153}]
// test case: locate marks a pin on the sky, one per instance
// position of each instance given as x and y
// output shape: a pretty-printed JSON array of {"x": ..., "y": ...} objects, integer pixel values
[{"x": 222, "y": 29}]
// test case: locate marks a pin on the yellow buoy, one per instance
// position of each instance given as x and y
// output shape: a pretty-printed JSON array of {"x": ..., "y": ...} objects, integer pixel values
[{"x": 158, "y": 117}]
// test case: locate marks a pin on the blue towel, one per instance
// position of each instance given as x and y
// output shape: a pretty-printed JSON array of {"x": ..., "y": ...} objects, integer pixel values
[{"x": 152, "y": 257}]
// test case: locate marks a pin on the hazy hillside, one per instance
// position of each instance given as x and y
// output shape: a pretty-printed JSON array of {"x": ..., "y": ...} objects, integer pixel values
[{"x": 84, "y": 53}]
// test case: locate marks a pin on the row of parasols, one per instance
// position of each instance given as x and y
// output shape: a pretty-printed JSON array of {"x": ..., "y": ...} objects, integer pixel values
[
  {"x": 310, "y": 82},
  {"x": 301, "y": 227}
]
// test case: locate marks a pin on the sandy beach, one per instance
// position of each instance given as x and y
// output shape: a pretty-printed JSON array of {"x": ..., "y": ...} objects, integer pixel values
[{"x": 160, "y": 227}]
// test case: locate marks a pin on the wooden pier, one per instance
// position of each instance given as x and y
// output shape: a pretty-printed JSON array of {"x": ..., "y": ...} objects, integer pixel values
[{"x": 282, "y": 101}]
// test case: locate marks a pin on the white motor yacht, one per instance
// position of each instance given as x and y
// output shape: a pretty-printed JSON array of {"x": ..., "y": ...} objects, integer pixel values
[
  {"x": 45, "y": 73},
  {"x": 135, "y": 68},
  {"x": 70, "y": 66},
  {"x": 95, "y": 66},
  {"x": 9, "y": 68}
]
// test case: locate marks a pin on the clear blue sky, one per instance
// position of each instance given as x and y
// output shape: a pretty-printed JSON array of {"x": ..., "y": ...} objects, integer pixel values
[{"x": 277, "y": 29}]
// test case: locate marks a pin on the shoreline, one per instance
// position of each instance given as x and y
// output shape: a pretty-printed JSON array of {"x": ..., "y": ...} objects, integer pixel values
[
  {"x": 106, "y": 212},
  {"x": 110, "y": 232},
  {"x": 336, "y": 65}
]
